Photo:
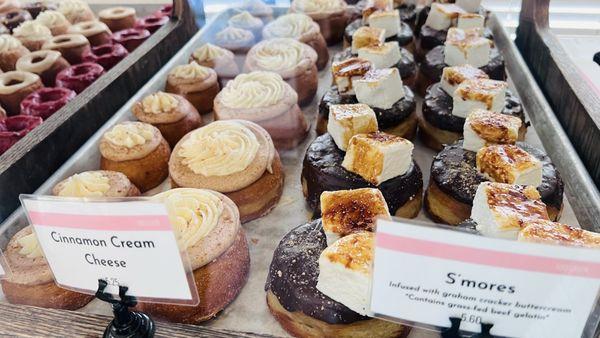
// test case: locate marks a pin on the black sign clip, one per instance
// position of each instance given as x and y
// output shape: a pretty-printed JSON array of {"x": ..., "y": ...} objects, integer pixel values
[{"x": 454, "y": 330}]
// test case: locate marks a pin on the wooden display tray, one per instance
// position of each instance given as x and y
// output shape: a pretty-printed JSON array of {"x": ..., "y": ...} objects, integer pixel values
[{"x": 34, "y": 158}]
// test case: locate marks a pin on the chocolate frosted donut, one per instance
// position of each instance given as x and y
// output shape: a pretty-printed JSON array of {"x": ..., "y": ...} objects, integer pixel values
[
  {"x": 406, "y": 66},
  {"x": 322, "y": 171},
  {"x": 330, "y": 98},
  {"x": 454, "y": 173},
  {"x": 405, "y": 36}
]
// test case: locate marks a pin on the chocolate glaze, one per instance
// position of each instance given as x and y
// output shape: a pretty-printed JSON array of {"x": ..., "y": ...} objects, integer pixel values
[
  {"x": 294, "y": 273},
  {"x": 404, "y": 37},
  {"x": 433, "y": 65},
  {"x": 437, "y": 109},
  {"x": 322, "y": 169},
  {"x": 386, "y": 118},
  {"x": 431, "y": 38},
  {"x": 406, "y": 66},
  {"x": 455, "y": 173}
]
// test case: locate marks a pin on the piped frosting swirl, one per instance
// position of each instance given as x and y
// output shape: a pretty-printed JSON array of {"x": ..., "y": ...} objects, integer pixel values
[
  {"x": 129, "y": 135},
  {"x": 209, "y": 52},
  {"x": 85, "y": 184},
  {"x": 51, "y": 18},
  {"x": 318, "y": 6},
  {"x": 253, "y": 90},
  {"x": 32, "y": 30},
  {"x": 8, "y": 43},
  {"x": 291, "y": 25},
  {"x": 30, "y": 246},
  {"x": 159, "y": 102},
  {"x": 245, "y": 20},
  {"x": 191, "y": 71}
]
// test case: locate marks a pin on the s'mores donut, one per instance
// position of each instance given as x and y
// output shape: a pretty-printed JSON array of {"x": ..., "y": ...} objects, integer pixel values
[
  {"x": 330, "y": 15},
  {"x": 172, "y": 114},
  {"x": 96, "y": 183},
  {"x": 11, "y": 49},
  {"x": 197, "y": 84},
  {"x": 264, "y": 98},
  {"x": 207, "y": 226},
  {"x": 31, "y": 281},
  {"x": 293, "y": 60},
  {"x": 236, "y": 158},
  {"x": 548, "y": 232},
  {"x": 137, "y": 150},
  {"x": 217, "y": 58}
]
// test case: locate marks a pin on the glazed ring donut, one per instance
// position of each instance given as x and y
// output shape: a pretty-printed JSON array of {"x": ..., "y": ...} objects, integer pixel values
[
  {"x": 131, "y": 38},
  {"x": 71, "y": 46},
  {"x": 14, "y": 87},
  {"x": 14, "y": 128},
  {"x": 79, "y": 77},
  {"x": 107, "y": 55},
  {"x": 46, "y": 101},
  {"x": 152, "y": 23},
  {"x": 118, "y": 18},
  {"x": 96, "y": 32},
  {"x": 45, "y": 63}
]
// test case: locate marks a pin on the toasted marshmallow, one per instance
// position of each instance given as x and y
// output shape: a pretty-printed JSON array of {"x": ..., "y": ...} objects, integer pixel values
[
  {"x": 454, "y": 76},
  {"x": 388, "y": 21},
  {"x": 379, "y": 88},
  {"x": 441, "y": 16},
  {"x": 470, "y": 20},
  {"x": 349, "y": 211},
  {"x": 549, "y": 232},
  {"x": 378, "y": 157},
  {"x": 479, "y": 94},
  {"x": 501, "y": 210},
  {"x": 466, "y": 46},
  {"x": 483, "y": 128},
  {"x": 383, "y": 56},
  {"x": 345, "y": 269},
  {"x": 507, "y": 163},
  {"x": 471, "y": 6},
  {"x": 347, "y": 120},
  {"x": 373, "y": 6},
  {"x": 345, "y": 72},
  {"x": 367, "y": 36}
]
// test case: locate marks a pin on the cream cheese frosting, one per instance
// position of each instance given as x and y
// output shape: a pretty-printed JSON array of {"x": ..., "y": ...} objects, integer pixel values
[
  {"x": 27, "y": 262},
  {"x": 8, "y": 43},
  {"x": 209, "y": 52},
  {"x": 32, "y": 30},
  {"x": 52, "y": 19},
  {"x": 191, "y": 71},
  {"x": 85, "y": 184},
  {"x": 285, "y": 56},
  {"x": 30, "y": 246},
  {"x": 73, "y": 10},
  {"x": 253, "y": 90},
  {"x": 234, "y": 36},
  {"x": 219, "y": 149},
  {"x": 245, "y": 20},
  {"x": 291, "y": 25},
  {"x": 159, "y": 102},
  {"x": 129, "y": 135}
]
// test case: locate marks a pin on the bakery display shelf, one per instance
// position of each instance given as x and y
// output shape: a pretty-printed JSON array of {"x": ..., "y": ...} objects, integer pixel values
[
  {"x": 35, "y": 157},
  {"x": 249, "y": 312}
]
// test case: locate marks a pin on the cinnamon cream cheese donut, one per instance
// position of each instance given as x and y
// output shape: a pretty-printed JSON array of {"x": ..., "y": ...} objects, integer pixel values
[
  {"x": 329, "y": 14},
  {"x": 96, "y": 32},
  {"x": 207, "y": 225},
  {"x": 11, "y": 49},
  {"x": 293, "y": 60},
  {"x": 71, "y": 46},
  {"x": 76, "y": 11},
  {"x": 31, "y": 281},
  {"x": 237, "y": 40},
  {"x": 45, "y": 63},
  {"x": 32, "y": 34},
  {"x": 16, "y": 86},
  {"x": 55, "y": 21},
  {"x": 96, "y": 183},
  {"x": 118, "y": 18},
  {"x": 234, "y": 157},
  {"x": 217, "y": 58},
  {"x": 197, "y": 84},
  {"x": 245, "y": 20},
  {"x": 302, "y": 28},
  {"x": 137, "y": 150},
  {"x": 172, "y": 114},
  {"x": 264, "y": 98}
]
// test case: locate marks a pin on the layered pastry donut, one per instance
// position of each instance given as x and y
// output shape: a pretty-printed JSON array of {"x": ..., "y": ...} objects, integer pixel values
[
  {"x": 31, "y": 281},
  {"x": 13, "y": 19},
  {"x": 36, "y": 7},
  {"x": 303, "y": 289},
  {"x": 462, "y": 89},
  {"x": 79, "y": 77},
  {"x": 264, "y": 98},
  {"x": 404, "y": 36},
  {"x": 131, "y": 38},
  {"x": 137, "y": 150},
  {"x": 96, "y": 183},
  {"x": 32, "y": 34},
  {"x": 457, "y": 172},
  {"x": 236, "y": 158},
  {"x": 45, "y": 63},
  {"x": 76, "y": 11},
  {"x": 548, "y": 232},
  {"x": 207, "y": 225},
  {"x": 217, "y": 58},
  {"x": 245, "y": 20},
  {"x": 107, "y": 55},
  {"x": 462, "y": 47},
  {"x": 46, "y": 101},
  {"x": 258, "y": 9},
  {"x": 353, "y": 154},
  {"x": 293, "y": 60},
  {"x": 236, "y": 40},
  {"x": 55, "y": 21},
  {"x": 14, "y": 128},
  {"x": 96, "y": 32},
  {"x": 302, "y": 28},
  {"x": 118, "y": 18},
  {"x": 330, "y": 15},
  {"x": 71, "y": 46},
  {"x": 197, "y": 84},
  {"x": 172, "y": 114},
  {"x": 11, "y": 49},
  {"x": 151, "y": 23},
  {"x": 16, "y": 86}
]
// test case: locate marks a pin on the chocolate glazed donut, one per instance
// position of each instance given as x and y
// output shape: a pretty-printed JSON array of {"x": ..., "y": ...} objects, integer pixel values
[
  {"x": 322, "y": 171},
  {"x": 454, "y": 176}
]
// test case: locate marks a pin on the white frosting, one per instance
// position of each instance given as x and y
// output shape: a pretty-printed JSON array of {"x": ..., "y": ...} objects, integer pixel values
[
  {"x": 245, "y": 20},
  {"x": 159, "y": 102},
  {"x": 290, "y": 25},
  {"x": 234, "y": 34},
  {"x": 319, "y": 6},
  {"x": 278, "y": 54},
  {"x": 51, "y": 18},
  {"x": 8, "y": 43},
  {"x": 219, "y": 149},
  {"x": 32, "y": 30},
  {"x": 190, "y": 71},
  {"x": 86, "y": 184},
  {"x": 30, "y": 246},
  {"x": 253, "y": 90},
  {"x": 209, "y": 52},
  {"x": 129, "y": 135},
  {"x": 72, "y": 8}
]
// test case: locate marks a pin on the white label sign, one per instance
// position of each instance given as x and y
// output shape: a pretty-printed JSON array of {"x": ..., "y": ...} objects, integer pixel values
[
  {"x": 126, "y": 243},
  {"x": 426, "y": 275}
]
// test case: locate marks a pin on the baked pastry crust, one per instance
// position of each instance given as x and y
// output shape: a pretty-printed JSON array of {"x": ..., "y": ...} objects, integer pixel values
[{"x": 118, "y": 185}]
